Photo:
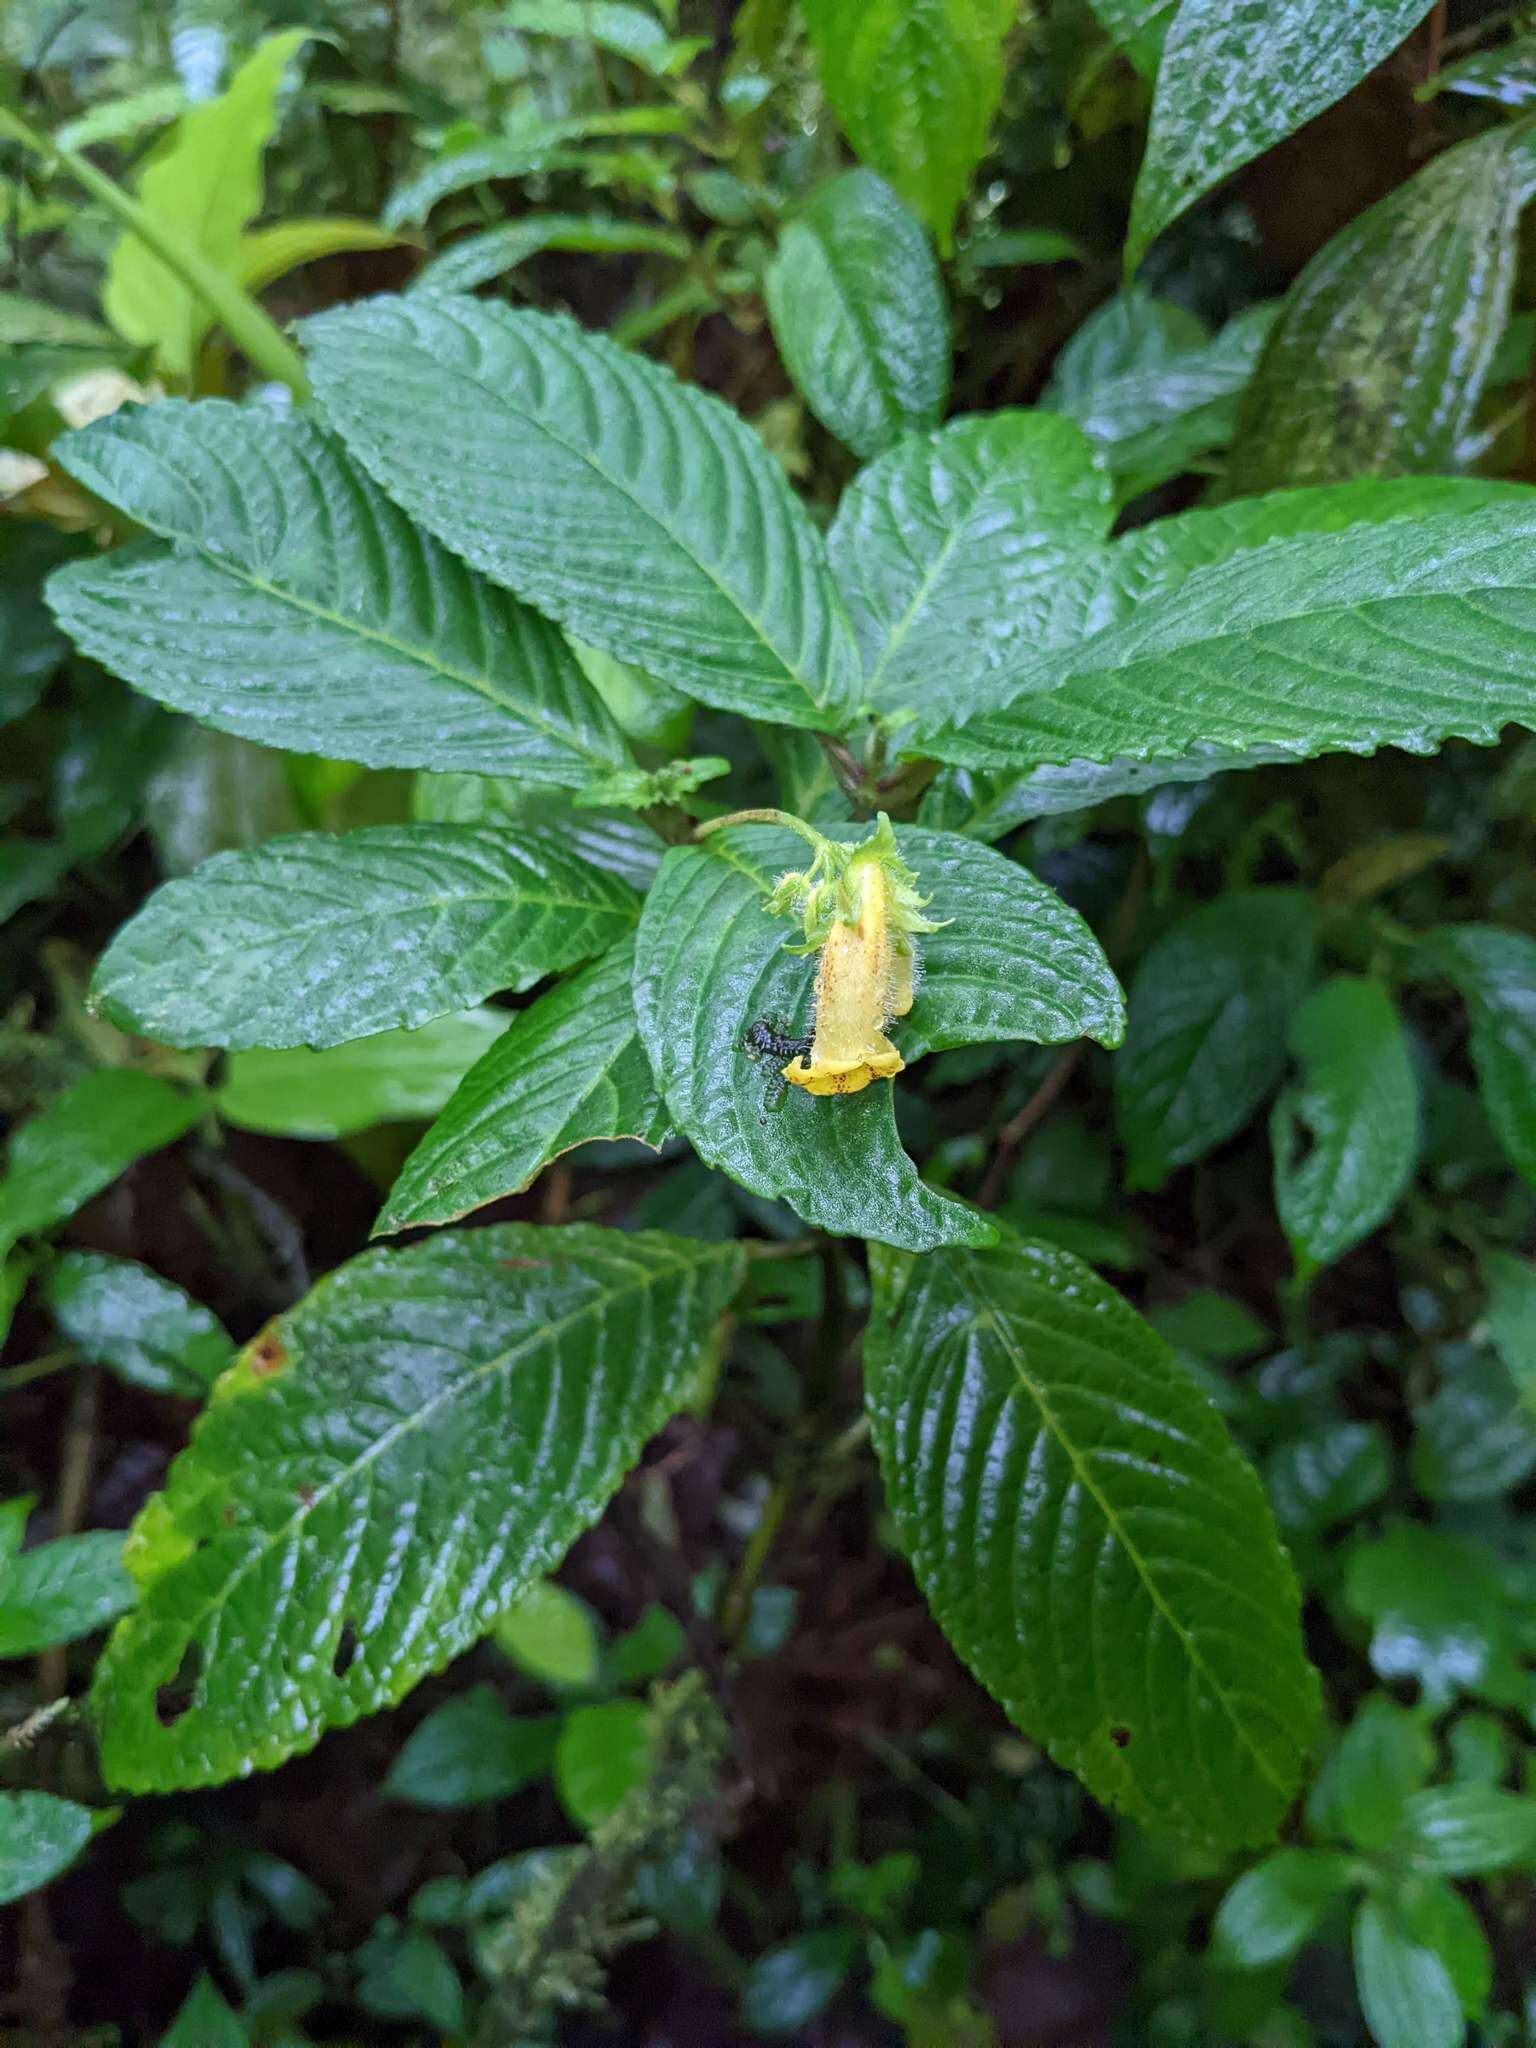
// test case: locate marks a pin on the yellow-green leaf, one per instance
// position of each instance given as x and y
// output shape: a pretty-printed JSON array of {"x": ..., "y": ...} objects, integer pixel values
[
  {"x": 266, "y": 254},
  {"x": 204, "y": 188}
]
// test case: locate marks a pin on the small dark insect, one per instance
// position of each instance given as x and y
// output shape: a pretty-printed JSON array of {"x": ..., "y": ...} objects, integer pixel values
[{"x": 773, "y": 1040}]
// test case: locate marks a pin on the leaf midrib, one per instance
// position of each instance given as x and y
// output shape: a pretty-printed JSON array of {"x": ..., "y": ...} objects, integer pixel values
[
  {"x": 1240, "y": 635},
  {"x": 954, "y": 537},
  {"x": 865, "y": 327},
  {"x": 541, "y": 424},
  {"x": 753, "y": 620},
  {"x": 501, "y": 1361},
  {"x": 600, "y": 1076},
  {"x": 994, "y": 1317},
  {"x": 519, "y": 713},
  {"x": 416, "y": 905}
]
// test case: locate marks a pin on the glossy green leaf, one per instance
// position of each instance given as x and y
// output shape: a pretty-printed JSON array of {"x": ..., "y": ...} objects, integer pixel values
[
  {"x": 127, "y": 114},
  {"x": 1276, "y": 1906},
  {"x": 948, "y": 548},
  {"x": 56, "y": 1592},
  {"x": 1138, "y": 27},
  {"x": 710, "y": 961},
  {"x": 1495, "y": 971},
  {"x": 1328, "y": 1475},
  {"x": 111, "y": 746},
  {"x": 205, "y": 2020},
  {"x": 29, "y": 870},
  {"x": 789, "y": 1984},
  {"x": 1208, "y": 1327},
  {"x": 39, "y": 1837},
  {"x": 1150, "y": 388},
  {"x": 1437, "y": 1613},
  {"x": 404, "y": 1974},
  {"x": 1234, "y": 81},
  {"x": 1346, "y": 1135},
  {"x": 504, "y": 156},
  {"x": 618, "y": 842},
  {"x": 1475, "y": 1438},
  {"x": 296, "y": 605},
  {"x": 552, "y": 1635},
  {"x": 1505, "y": 74},
  {"x": 571, "y": 1068},
  {"x": 640, "y": 512},
  {"x": 314, "y": 939},
  {"x": 266, "y": 254},
  {"x": 1383, "y": 344},
  {"x": 1405, "y": 1991},
  {"x": 15, "y": 1272},
  {"x": 1438, "y": 1918},
  {"x": 204, "y": 188},
  {"x": 276, "y": 1598},
  {"x": 1511, "y": 1285},
  {"x": 1382, "y": 1758},
  {"x": 682, "y": 1885},
  {"x": 1466, "y": 1830},
  {"x": 31, "y": 645},
  {"x": 469, "y": 1750},
  {"x": 147, "y": 1330},
  {"x": 1400, "y": 634},
  {"x": 1210, "y": 1009},
  {"x": 82, "y": 1141},
  {"x": 391, "y": 1077},
  {"x": 604, "y": 1754},
  {"x": 647, "y": 1651},
  {"x": 629, "y": 31},
  {"x": 211, "y": 793},
  {"x": 1061, "y": 1484},
  {"x": 24, "y": 320},
  {"x": 476, "y": 259},
  {"x": 1479, "y": 1749},
  {"x": 915, "y": 84},
  {"x": 858, "y": 313},
  {"x": 41, "y": 372}
]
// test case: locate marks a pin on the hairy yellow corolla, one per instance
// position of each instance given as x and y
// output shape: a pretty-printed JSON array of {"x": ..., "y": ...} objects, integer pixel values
[
  {"x": 859, "y": 908},
  {"x": 863, "y": 980}
]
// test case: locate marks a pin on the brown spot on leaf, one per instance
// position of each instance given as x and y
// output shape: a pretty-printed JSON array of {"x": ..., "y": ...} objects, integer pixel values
[
  {"x": 268, "y": 1354},
  {"x": 522, "y": 1262},
  {"x": 1120, "y": 1737}
]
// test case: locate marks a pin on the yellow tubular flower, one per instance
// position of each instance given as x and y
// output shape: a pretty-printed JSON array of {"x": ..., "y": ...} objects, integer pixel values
[{"x": 863, "y": 980}]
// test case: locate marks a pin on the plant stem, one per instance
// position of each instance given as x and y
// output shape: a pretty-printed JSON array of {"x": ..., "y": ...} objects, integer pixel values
[
  {"x": 832, "y": 1331},
  {"x": 1434, "y": 41},
  {"x": 1293, "y": 1295},
  {"x": 252, "y": 330},
  {"x": 762, "y": 816},
  {"x": 736, "y": 1607},
  {"x": 850, "y": 773},
  {"x": 820, "y": 1391},
  {"x": 32, "y": 1369},
  {"x": 74, "y": 1488},
  {"x": 1018, "y": 1128}
]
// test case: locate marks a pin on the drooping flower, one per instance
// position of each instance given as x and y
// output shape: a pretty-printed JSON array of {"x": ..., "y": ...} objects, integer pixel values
[{"x": 861, "y": 909}]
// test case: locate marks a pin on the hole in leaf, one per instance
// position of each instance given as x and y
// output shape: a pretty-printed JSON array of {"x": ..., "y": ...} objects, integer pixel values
[
  {"x": 344, "y": 1656},
  {"x": 177, "y": 1694},
  {"x": 1303, "y": 1145},
  {"x": 1295, "y": 1143}
]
